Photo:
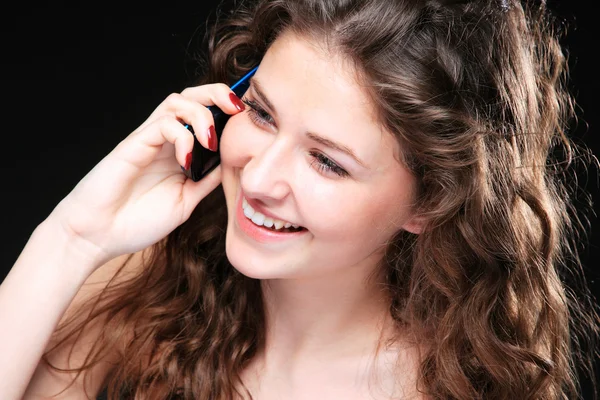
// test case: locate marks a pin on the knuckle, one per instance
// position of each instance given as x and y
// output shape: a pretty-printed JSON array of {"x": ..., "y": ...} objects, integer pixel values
[
  {"x": 205, "y": 113},
  {"x": 192, "y": 92},
  {"x": 164, "y": 122},
  {"x": 186, "y": 91},
  {"x": 222, "y": 87},
  {"x": 173, "y": 98},
  {"x": 201, "y": 115},
  {"x": 216, "y": 90}
]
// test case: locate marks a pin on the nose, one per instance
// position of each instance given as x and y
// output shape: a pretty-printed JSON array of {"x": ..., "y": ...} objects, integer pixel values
[{"x": 266, "y": 176}]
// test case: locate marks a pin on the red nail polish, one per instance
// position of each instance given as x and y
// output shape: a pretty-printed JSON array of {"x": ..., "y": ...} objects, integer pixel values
[
  {"x": 212, "y": 138},
  {"x": 239, "y": 104},
  {"x": 188, "y": 161}
]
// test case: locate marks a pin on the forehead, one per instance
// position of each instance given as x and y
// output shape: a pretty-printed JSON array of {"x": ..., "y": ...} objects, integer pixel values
[
  {"x": 318, "y": 89},
  {"x": 311, "y": 67}
]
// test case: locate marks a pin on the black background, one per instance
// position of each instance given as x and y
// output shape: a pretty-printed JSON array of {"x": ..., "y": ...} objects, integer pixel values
[{"x": 77, "y": 79}]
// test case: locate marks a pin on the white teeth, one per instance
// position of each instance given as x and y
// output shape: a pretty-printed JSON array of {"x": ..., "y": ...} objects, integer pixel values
[
  {"x": 261, "y": 220},
  {"x": 258, "y": 218},
  {"x": 248, "y": 211}
]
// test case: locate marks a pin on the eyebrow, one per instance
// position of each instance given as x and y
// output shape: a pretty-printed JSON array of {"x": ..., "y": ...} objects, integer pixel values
[
  {"x": 313, "y": 136},
  {"x": 259, "y": 91},
  {"x": 336, "y": 146}
]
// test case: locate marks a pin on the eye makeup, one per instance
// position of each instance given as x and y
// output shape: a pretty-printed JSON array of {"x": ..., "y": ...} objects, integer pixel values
[
  {"x": 257, "y": 114},
  {"x": 319, "y": 161}
]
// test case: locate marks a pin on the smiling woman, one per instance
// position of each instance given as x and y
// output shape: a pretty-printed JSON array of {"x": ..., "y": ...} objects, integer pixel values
[
  {"x": 391, "y": 219},
  {"x": 318, "y": 159}
]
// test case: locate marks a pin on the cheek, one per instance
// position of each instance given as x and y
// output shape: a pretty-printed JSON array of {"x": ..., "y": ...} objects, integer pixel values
[
  {"x": 360, "y": 216},
  {"x": 232, "y": 142},
  {"x": 336, "y": 214},
  {"x": 241, "y": 141}
]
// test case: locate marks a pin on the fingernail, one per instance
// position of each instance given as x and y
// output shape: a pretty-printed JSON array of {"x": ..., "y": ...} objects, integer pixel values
[
  {"x": 239, "y": 104},
  {"x": 188, "y": 161},
  {"x": 212, "y": 138}
]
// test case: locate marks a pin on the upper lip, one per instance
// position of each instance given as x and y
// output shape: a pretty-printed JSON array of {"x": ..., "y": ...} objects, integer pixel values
[{"x": 266, "y": 213}]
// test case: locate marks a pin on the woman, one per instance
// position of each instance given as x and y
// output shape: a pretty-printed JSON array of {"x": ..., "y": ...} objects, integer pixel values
[{"x": 391, "y": 219}]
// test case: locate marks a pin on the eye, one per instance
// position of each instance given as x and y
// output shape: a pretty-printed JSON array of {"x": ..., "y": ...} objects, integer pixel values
[
  {"x": 257, "y": 114},
  {"x": 325, "y": 165},
  {"x": 320, "y": 162}
]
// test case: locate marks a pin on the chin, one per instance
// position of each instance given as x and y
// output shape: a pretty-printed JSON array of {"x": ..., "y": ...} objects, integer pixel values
[
  {"x": 252, "y": 268},
  {"x": 248, "y": 264},
  {"x": 243, "y": 266},
  {"x": 254, "y": 264}
]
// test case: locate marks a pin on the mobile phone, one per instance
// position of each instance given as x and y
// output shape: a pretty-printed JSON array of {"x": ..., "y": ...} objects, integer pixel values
[{"x": 204, "y": 160}]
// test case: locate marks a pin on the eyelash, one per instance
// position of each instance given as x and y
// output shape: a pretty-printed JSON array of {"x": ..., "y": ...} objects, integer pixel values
[
  {"x": 321, "y": 162},
  {"x": 257, "y": 114}
]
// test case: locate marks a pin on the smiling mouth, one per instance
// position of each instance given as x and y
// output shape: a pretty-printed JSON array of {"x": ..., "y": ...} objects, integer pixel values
[{"x": 272, "y": 224}]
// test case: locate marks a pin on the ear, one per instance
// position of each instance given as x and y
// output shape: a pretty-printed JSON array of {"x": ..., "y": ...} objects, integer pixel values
[{"x": 415, "y": 224}]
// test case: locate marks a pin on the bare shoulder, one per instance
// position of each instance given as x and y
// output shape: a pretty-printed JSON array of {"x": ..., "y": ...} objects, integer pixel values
[
  {"x": 397, "y": 372},
  {"x": 72, "y": 352}
]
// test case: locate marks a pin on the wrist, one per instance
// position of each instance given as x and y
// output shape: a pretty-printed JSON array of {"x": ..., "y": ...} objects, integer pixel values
[{"x": 73, "y": 256}]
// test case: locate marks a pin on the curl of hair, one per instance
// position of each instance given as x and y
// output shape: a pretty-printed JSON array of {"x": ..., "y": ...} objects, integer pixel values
[{"x": 475, "y": 93}]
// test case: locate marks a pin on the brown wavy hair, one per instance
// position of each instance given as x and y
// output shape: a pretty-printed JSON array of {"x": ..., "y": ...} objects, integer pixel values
[{"x": 475, "y": 92}]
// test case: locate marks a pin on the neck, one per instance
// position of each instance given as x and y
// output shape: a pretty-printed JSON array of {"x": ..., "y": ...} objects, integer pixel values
[{"x": 333, "y": 316}]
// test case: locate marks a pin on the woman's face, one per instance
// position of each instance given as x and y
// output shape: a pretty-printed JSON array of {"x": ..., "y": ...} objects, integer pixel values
[{"x": 308, "y": 151}]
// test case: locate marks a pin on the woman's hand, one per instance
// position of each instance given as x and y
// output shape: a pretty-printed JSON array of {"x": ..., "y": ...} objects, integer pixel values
[{"x": 138, "y": 194}]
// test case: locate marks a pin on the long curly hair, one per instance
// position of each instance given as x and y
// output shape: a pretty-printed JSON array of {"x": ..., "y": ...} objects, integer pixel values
[{"x": 475, "y": 92}]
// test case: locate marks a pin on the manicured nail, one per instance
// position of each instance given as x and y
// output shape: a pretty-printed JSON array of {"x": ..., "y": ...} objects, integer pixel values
[
  {"x": 212, "y": 138},
  {"x": 239, "y": 104},
  {"x": 188, "y": 161}
]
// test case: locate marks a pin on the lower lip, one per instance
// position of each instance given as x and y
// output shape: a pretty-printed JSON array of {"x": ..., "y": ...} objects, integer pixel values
[{"x": 262, "y": 234}]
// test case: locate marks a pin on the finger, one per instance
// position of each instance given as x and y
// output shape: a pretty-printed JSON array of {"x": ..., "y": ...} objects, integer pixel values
[
  {"x": 194, "y": 192},
  {"x": 196, "y": 115},
  {"x": 142, "y": 147},
  {"x": 218, "y": 94}
]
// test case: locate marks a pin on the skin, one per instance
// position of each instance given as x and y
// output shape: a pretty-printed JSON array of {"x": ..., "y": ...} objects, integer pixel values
[
  {"x": 326, "y": 314},
  {"x": 325, "y": 311}
]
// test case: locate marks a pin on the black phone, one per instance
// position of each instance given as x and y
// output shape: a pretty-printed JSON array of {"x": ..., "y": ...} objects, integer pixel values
[{"x": 204, "y": 160}]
